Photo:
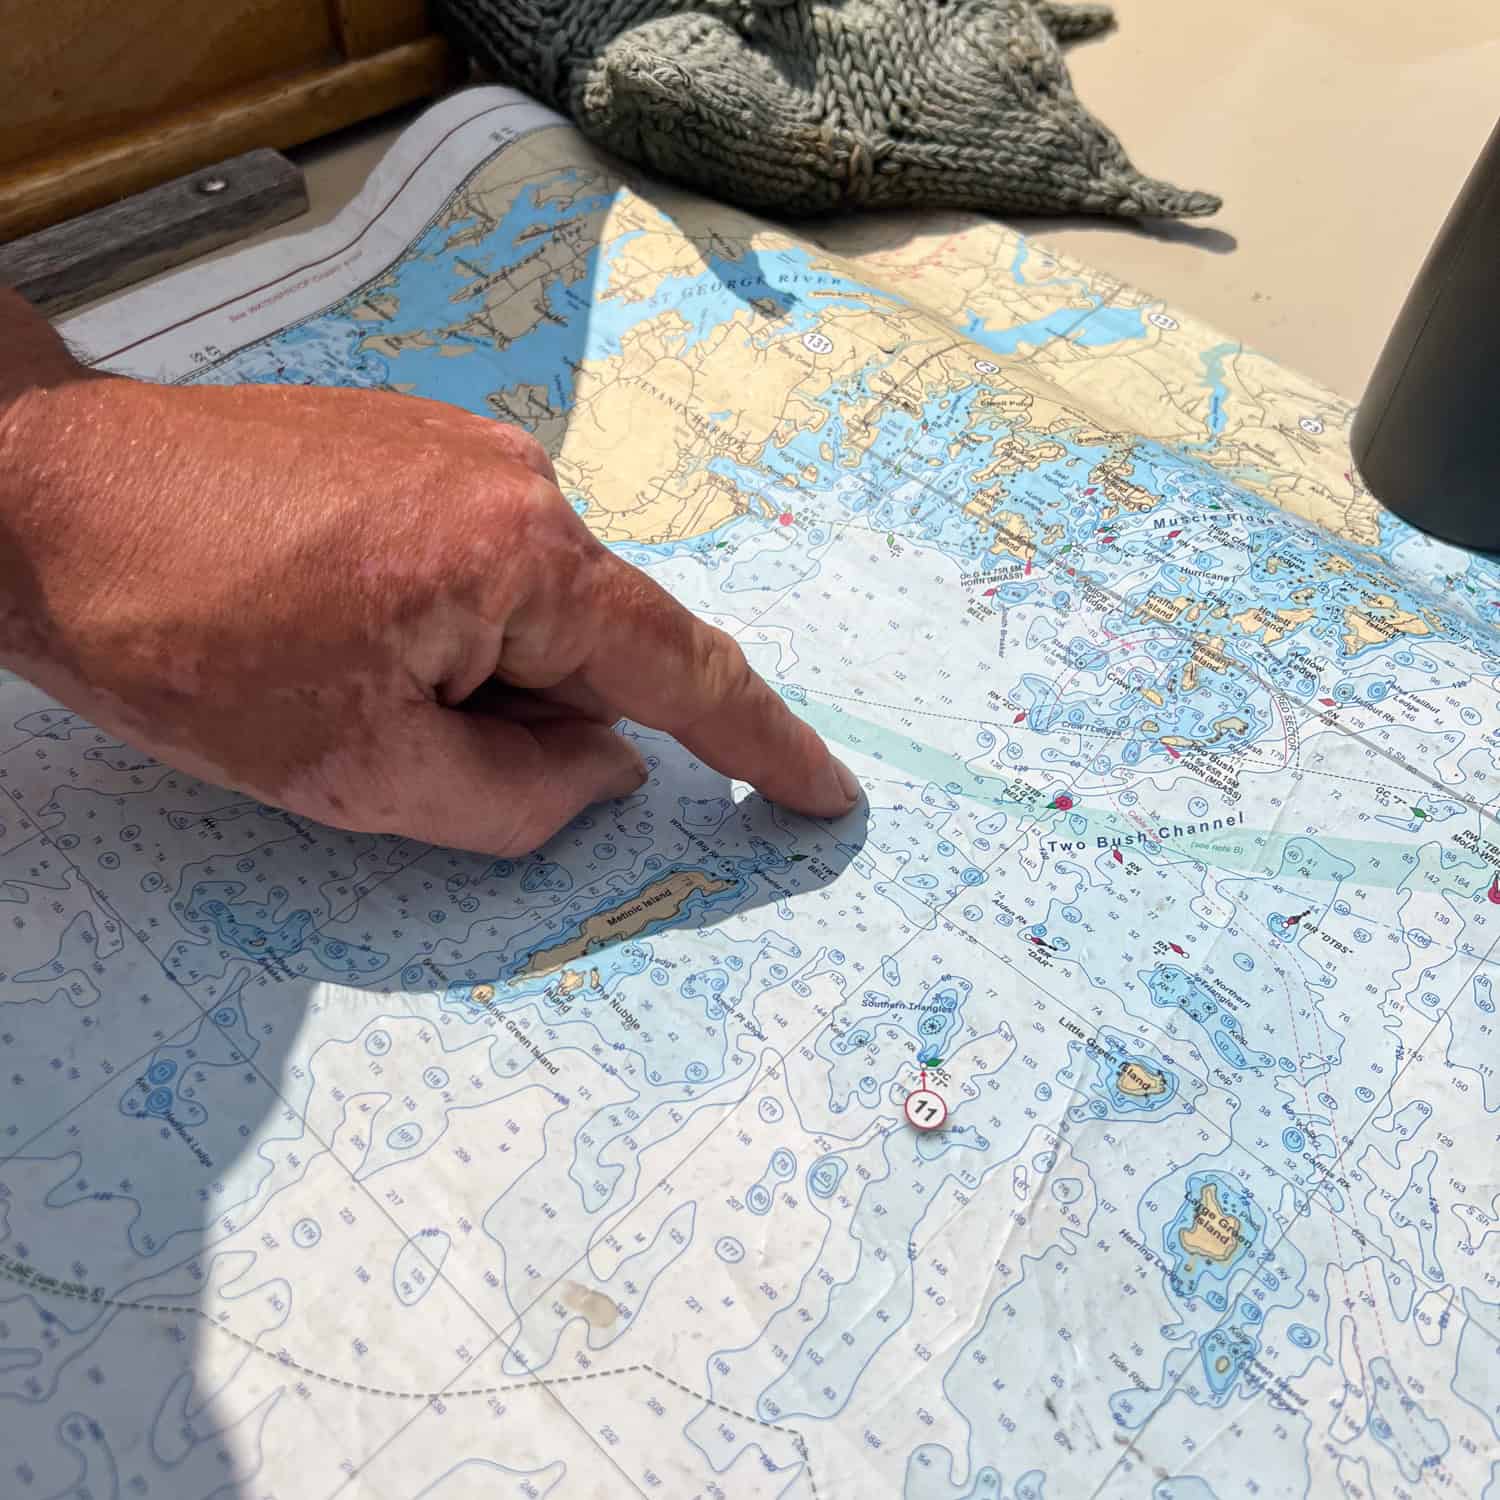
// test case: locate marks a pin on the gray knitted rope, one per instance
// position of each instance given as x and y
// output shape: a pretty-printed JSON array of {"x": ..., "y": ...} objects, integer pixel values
[{"x": 807, "y": 106}]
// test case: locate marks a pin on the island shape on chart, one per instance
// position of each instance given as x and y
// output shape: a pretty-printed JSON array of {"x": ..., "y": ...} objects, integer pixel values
[
  {"x": 1214, "y": 1234},
  {"x": 1139, "y": 1082},
  {"x": 659, "y": 902}
]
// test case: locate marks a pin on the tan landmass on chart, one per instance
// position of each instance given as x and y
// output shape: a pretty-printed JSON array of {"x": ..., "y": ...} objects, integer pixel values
[
  {"x": 1333, "y": 563},
  {"x": 659, "y": 902},
  {"x": 657, "y": 255},
  {"x": 1281, "y": 435},
  {"x": 1213, "y": 1235},
  {"x": 1140, "y": 1082},
  {"x": 1208, "y": 654},
  {"x": 1229, "y": 724},
  {"x": 905, "y": 355},
  {"x": 888, "y": 355},
  {"x": 1010, "y": 456},
  {"x": 375, "y": 308},
  {"x": 473, "y": 234},
  {"x": 678, "y": 234},
  {"x": 909, "y": 362},
  {"x": 1378, "y": 620},
  {"x": 1120, "y": 492},
  {"x": 1272, "y": 625},
  {"x": 1005, "y": 405},
  {"x": 596, "y": 1308},
  {"x": 661, "y": 489},
  {"x": 646, "y": 423},
  {"x": 1013, "y": 534},
  {"x": 573, "y": 980},
  {"x": 1161, "y": 611},
  {"x": 798, "y": 414},
  {"x": 1013, "y": 537},
  {"x": 522, "y": 405},
  {"x": 392, "y": 344},
  {"x": 1152, "y": 696}
]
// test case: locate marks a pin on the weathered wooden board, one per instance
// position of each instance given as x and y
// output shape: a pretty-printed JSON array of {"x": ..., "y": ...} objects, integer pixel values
[
  {"x": 58, "y": 268},
  {"x": 279, "y": 112}
]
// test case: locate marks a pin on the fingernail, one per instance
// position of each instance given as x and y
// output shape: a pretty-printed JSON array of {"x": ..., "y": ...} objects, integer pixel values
[{"x": 848, "y": 781}]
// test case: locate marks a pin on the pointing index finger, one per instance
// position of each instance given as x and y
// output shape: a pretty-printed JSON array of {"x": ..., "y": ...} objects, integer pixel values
[{"x": 662, "y": 666}]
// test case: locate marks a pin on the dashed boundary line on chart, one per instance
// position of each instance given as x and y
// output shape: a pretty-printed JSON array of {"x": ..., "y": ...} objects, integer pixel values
[{"x": 536, "y": 1382}]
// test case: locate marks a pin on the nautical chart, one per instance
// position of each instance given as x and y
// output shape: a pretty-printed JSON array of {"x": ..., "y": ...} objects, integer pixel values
[{"x": 1107, "y": 1109}]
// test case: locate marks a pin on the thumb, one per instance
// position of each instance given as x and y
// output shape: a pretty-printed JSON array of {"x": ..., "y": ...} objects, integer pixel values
[{"x": 480, "y": 782}]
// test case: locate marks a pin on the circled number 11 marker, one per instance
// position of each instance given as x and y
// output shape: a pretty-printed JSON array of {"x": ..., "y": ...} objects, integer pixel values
[{"x": 926, "y": 1109}]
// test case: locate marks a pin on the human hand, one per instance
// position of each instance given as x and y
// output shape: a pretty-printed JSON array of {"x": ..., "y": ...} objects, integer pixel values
[{"x": 369, "y": 609}]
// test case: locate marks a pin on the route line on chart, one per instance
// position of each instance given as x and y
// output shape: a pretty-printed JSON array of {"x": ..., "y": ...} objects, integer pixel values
[
  {"x": 755, "y": 1076},
  {"x": 206, "y": 1015},
  {"x": 497, "y": 1337},
  {"x": 287, "y": 1362}
]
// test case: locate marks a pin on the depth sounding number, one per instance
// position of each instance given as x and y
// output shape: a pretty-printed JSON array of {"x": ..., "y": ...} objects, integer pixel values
[{"x": 926, "y": 1110}]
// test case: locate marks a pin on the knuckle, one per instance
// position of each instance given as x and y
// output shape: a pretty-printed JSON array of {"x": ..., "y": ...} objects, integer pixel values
[
  {"x": 722, "y": 671},
  {"x": 531, "y": 452},
  {"x": 541, "y": 505},
  {"x": 525, "y": 449}
]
